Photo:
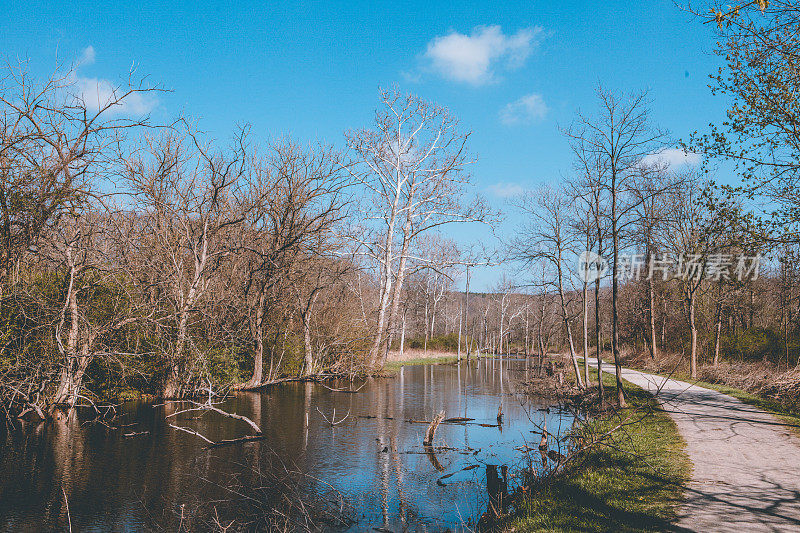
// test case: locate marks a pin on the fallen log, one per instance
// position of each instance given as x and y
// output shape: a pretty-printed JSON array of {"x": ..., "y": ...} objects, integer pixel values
[{"x": 316, "y": 378}]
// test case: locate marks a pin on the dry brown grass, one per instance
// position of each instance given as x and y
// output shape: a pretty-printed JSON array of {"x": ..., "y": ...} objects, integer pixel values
[{"x": 415, "y": 354}]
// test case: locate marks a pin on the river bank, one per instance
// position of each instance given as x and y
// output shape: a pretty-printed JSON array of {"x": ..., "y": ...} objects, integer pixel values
[{"x": 632, "y": 482}]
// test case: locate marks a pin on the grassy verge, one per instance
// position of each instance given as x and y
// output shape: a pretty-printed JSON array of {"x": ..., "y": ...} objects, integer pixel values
[{"x": 636, "y": 485}]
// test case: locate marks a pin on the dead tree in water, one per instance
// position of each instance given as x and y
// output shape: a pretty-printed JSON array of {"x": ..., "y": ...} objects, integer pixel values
[{"x": 431, "y": 431}]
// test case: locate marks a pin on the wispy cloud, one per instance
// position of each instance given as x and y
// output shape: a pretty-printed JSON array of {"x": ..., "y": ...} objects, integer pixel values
[
  {"x": 87, "y": 56},
  {"x": 527, "y": 109},
  {"x": 411, "y": 76},
  {"x": 97, "y": 93},
  {"x": 506, "y": 189},
  {"x": 673, "y": 157},
  {"x": 474, "y": 58}
]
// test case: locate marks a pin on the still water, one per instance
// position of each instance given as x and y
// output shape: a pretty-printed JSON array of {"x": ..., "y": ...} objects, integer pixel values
[{"x": 373, "y": 464}]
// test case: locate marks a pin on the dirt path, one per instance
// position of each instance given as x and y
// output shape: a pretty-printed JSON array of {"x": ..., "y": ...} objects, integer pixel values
[{"x": 746, "y": 462}]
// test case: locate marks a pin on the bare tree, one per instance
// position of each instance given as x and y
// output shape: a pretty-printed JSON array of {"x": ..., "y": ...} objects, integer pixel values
[
  {"x": 547, "y": 238},
  {"x": 183, "y": 189},
  {"x": 54, "y": 142},
  {"x": 95, "y": 305},
  {"x": 590, "y": 190},
  {"x": 292, "y": 200},
  {"x": 649, "y": 190},
  {"x": 691, "y": 233},
  {"x": 618, "y": 139},
  {"x": 412, "y": 167}
]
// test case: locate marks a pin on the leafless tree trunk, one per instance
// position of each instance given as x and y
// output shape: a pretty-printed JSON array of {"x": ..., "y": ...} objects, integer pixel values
[
  {"x": 619, "y": 138},
  {"x": 547, "y": 239},
  {"x": 412, "y": 166}
]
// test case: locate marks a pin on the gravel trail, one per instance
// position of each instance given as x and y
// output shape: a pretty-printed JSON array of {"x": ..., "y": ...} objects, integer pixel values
[{"x": 746, "y": 473}]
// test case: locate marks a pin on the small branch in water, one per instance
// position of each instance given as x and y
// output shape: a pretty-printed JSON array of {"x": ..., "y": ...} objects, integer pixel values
[
  {"x": 249, "y": 438},
  {"x": 192, "y": 432},
  {"x": 441, "y": 484},
  {"x": 344, "y": 390},
  {"x": 135, "y": 434},
  {"x": 66, "y": 503},
  {"x": 234, "y": 415},
  {"x": 333, "y": 421}
]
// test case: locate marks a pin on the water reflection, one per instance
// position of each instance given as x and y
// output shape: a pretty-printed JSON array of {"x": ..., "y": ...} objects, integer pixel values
[{"x": 375, "y": 458}]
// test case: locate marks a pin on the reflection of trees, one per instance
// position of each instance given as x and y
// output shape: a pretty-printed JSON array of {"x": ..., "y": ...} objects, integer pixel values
[
  {"x": 157, "y": 473},
  {"x": 67, "y": 445}
]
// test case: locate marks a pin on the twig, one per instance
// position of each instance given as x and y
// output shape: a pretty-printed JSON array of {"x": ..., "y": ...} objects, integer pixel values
[{"x": 135, "y": 434}]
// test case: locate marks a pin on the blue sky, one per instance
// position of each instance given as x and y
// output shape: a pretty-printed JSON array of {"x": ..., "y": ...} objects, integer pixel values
[{"x": 512, "y": 72}]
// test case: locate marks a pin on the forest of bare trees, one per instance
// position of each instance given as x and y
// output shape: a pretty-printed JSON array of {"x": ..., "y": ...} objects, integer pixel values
[
  {"x": 148, "y": 259},
  {"x": 143, "y": 258}
]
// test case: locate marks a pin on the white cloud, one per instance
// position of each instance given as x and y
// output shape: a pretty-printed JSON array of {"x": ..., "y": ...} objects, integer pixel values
[
  {"x": 87, "y": 56},
  {"x": 673, "y": 157},
  {"x": 97, "y": 93},
  {"x": 506, "y": 190},
  {"x": 524, "y": 111},
  {"x": 472, "y": 58}
]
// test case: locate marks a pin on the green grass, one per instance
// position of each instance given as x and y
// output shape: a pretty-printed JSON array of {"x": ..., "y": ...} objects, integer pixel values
[
  {"x": 609, "y": 489},
  {"x": 394, "y": 366}
]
